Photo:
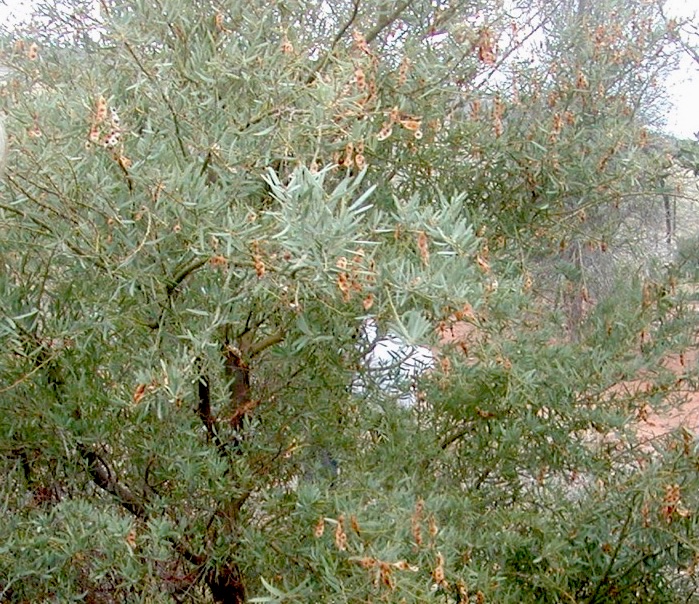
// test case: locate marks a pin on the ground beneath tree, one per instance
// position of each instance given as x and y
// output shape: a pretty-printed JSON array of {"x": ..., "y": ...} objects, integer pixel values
[{"x": 681, "y": 408}]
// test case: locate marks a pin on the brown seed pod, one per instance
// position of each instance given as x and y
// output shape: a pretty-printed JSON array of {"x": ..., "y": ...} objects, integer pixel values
[
  {"x": 33, "y": 52},
  {"x": 139, "y": 393},
  {"x": 259, "y": 266},
  {"x": 360, "y": 78},
  {"x": 411, "y": 124},
  {"x": 94, "y": 134},
  {"x": 486, "y": 47},
  {"x": 340, "y": 535},
  {"x": 423, "y": 247},
  {"x": 403, "y": 71},
  {"x": 385, "y": 132},
  {"x": 287, "y": 47}
]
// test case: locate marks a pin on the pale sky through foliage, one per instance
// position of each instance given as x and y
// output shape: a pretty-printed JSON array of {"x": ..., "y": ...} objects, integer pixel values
[{"x": 682, "y": 121}]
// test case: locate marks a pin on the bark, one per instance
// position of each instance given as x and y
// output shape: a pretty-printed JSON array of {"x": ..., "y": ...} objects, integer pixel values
[{"x": 226, "y": 584}]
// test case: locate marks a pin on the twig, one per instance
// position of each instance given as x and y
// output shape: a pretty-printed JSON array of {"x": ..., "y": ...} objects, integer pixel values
[
  {"x": 343, "y": 30},
  {"x": 386, "y": 21},
  {"x": 173, "y": 113},
  {"x": 622, "y": 536}
]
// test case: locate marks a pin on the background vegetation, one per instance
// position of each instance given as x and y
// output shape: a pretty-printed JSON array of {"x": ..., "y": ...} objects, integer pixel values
[{"x": 201, "y": 201}]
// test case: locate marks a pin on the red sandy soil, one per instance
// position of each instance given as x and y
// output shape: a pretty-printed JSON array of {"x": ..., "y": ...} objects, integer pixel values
[{"x": 681, "y": 410}]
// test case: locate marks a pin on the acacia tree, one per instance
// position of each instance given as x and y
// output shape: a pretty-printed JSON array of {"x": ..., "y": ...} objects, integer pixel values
[{"x": 201, "y": 201}]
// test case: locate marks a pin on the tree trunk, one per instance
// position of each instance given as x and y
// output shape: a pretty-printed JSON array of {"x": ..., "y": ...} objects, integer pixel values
[{"x": 226, "y": 584}]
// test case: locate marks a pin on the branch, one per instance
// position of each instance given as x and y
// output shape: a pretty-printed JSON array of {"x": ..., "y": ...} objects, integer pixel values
[
  {"x": 238, "y": 374},
  {"x": 343, "y": 30},
  {"x": 184, "y": 272},
  {"x": 265, "y": 343},
  {"x": 692, "y": 52},
  {"x": 166, "y": 100},
  {"x": 104, "y": 478},
  {"x": 458, "y": 435},
  {"x": 204, "y": 411},
  {"x": 612, "y": 560},
  {"x": 204, "y": 406},
  {"x": 172, "y": 285},
  {"x": 49, "y": 229},
  {"x": 347, "y": 25},
  {"x": 387, "y": 21}
]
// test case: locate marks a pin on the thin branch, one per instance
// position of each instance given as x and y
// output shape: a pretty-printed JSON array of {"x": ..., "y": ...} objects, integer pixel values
[
  {"x": 173, "y": 113},
  {"x": 386, "y": 21},
  {"x": 342, "y": 31},
  {"x": 458, "y": 435},
  {"x": 347, "y": 25},
  {"x": 204, "y": 406},
  {"x": 612, "y": 560},
  {"x": 40, "y": 223}
]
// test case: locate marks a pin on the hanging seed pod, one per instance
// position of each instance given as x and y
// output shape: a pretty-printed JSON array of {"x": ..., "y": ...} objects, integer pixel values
[
  {"x": 259, "y": 266},
  {"x": 475, "y": 109},
  {"x": 438, "y": 572},
  {"x": 497, "y": 127},
  {"x": 423, "y": 247},
  {"x": 100, "y": 110},
  {"x": 94, "y": 135},
  {"x": 360, "y": 42},
  {"x": 403, "y": 71},
  {"x": 345, "y": 287},
  {"x": 114, "y": 117},
  {"x": 486, "y": 50},
  {"x": 385, "y": 132},
  {"x": 340, "y": 535},
  {"x": 33, "y": 52},
  {"x": 112, "y": 139},
  {"x": 359, "y": 78},
  {"x": 411, "y": 124},
  {"x": 287, "y": 48},
  {"x": 349, "y": 154}
]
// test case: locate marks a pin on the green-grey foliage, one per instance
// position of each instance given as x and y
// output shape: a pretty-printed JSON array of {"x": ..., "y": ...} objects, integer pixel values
[{"x": 201, "y": 202}]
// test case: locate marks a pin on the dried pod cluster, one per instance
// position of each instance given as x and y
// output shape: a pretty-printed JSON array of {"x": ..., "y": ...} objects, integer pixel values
[{"x": 106, "y": 125}]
